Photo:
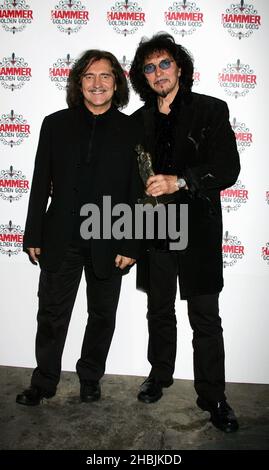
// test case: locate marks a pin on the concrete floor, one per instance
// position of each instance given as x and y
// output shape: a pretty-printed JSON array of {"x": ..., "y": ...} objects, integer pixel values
[{"x": 120, "y": 422}]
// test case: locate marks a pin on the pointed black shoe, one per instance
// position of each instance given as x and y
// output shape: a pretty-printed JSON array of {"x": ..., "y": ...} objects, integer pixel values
[
  {"x": 32, "y": 396},
  {"x": 90, "y": 391},
  {"x": 151, "y": 390},
  {"x": 222, "y": 415}
]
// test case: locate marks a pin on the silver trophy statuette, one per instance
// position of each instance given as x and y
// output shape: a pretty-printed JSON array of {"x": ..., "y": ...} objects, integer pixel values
[
  {"x": 145, "y": 169},
  {"x": 144, "y": 163},
  {"x": 144, "y": 160}
]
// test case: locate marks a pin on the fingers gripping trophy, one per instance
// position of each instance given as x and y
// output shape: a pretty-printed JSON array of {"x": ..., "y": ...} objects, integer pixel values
[
  {"x": 144, "y": 160},
  {"x": 145, "y": 169}
]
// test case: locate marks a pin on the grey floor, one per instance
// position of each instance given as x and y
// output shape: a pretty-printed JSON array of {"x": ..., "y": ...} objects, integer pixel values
[{"x": 120, "y": 422}]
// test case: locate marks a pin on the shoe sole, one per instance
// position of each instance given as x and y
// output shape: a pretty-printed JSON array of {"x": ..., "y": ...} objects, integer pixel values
[
  {"x": 89, "y": 399},
  {"x": 27, "y": 404},
  {"x": 228, "y": 430},
  {"x": 148, "y": 400}
]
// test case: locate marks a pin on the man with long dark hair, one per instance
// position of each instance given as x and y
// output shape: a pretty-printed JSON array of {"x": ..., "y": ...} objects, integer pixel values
[
  {"x": 84, "y": 153},
  {"x": 194, "y": 157}
]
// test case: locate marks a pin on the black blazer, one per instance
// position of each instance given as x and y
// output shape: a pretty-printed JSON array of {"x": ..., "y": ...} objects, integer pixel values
[
  {"x": 57, "y": 165},
  {"x": 206, "y": 156}
]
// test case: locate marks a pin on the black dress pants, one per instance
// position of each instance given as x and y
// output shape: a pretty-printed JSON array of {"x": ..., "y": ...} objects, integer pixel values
[
  {"x": 203, "y": 312},
  {"x": 57, "y": 294}
]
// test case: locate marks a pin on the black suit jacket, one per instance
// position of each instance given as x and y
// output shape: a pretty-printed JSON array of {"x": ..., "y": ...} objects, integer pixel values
[
  {"x": 57, "y": 165},
  {"x": 205, "y": 154}
]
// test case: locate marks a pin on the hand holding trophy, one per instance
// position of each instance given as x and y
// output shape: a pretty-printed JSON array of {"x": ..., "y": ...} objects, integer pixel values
[
  {"x": 145, "y": 169},
  {"x": 144, "y": 160}
]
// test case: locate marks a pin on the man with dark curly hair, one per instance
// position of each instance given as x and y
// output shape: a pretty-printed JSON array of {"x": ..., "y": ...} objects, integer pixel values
[
  {"x": 85, "y": 153},
  {"x": 194, "y": 157}
]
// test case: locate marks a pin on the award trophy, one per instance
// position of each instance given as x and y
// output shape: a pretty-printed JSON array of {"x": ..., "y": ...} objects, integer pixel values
[{"x": 145, "y": 169}]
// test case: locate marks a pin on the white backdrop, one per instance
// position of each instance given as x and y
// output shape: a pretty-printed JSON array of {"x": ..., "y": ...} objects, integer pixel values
[{"x": 39, "y": 41}]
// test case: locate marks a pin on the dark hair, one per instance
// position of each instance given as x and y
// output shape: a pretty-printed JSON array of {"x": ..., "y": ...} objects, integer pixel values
[
  {"x": 160, "y": 42},
  {"x": 74, "y": 95}
]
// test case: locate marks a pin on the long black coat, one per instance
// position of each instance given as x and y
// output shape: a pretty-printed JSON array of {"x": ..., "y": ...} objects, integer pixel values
[
  {"x": 206, "y": 156},
  {"x": 58, "y": 163}
]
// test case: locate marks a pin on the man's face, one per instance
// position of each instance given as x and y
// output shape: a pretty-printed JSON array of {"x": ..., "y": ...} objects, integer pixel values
[
  {"x": 164, "y": 81},
  {"x": 98, "y": 86}
]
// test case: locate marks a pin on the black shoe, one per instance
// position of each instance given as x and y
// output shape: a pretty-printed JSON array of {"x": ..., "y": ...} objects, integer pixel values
[
  {"x": 90, "y": 391},
  {"x": 32, "y": 396},
  {"x": 151, "y": 389},
  {"x": 222, "y": 415}
]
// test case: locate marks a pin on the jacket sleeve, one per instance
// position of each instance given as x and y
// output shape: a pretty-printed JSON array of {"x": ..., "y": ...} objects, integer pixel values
[
  {"x": 132, "y": 247},
  {"x": 221, "y": 165},
  {"x": 40, "y": 190}
]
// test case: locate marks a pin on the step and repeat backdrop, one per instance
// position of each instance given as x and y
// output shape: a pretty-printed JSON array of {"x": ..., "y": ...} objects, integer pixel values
[{"x": 40, "y": 40}]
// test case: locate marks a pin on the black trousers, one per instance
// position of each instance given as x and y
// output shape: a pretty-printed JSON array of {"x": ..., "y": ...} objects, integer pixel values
[
  {"x": 57, "y": 294},
  {"x": 203, "y": 312}
]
